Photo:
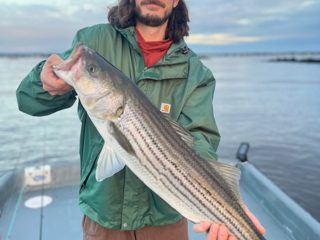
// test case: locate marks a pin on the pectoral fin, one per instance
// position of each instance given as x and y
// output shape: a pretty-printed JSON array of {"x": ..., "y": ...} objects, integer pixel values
[
  {"x": 108, "y": 164},
  {"x": 116, "y": 145}
]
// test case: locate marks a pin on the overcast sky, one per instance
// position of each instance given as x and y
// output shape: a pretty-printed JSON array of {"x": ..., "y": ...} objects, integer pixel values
[{"x": 216, "y": 25}]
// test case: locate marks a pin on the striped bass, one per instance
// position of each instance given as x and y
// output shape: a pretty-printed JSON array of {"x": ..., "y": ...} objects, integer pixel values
[{"x": 155, "y": 148}]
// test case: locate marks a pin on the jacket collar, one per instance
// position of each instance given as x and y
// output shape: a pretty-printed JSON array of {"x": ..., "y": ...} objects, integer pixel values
[{"x": 177, "y": 53}]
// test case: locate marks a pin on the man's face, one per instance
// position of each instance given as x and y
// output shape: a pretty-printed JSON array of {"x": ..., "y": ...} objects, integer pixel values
[{"x": 154, "y": 12}]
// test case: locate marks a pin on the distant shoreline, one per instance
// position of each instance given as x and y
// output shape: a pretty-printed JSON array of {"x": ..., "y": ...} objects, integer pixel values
[
  {"x": 290, "y": 57},
  {"x": 303, "y": 57},
  {"x": 203, "y": 55},
  {"x": 24, "y": 55},
  {"x": 293, "y": 59}
]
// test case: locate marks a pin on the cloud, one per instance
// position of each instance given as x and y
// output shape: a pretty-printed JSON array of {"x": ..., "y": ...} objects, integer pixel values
[
  {"x": 243, "y": 16},
  {"x": 244, "y": 21},
  {"x": 229, "y": 23},
  {"x": 45, "y": 27},
  {"x": 220, "y": 39},
  {"x": 42, "y": 26}
]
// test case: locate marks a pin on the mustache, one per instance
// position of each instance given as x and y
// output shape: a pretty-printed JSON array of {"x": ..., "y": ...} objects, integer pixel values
[{"x": 156, "y": 2}]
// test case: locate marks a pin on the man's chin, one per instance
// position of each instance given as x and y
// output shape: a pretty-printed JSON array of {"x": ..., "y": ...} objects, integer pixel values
[{"x": 152, "y": 20}]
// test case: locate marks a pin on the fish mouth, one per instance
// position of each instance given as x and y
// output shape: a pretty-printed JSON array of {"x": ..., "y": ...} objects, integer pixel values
[
  {"x": 76, "y": 54},
  {"x": 70, "y": 70}
]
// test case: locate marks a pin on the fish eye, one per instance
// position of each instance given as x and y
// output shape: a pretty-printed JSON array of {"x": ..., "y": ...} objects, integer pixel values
[{"x": 92, "y": 68}]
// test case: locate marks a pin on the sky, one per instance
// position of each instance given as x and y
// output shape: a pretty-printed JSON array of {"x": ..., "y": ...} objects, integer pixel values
[{"x": 215, "y": 25}]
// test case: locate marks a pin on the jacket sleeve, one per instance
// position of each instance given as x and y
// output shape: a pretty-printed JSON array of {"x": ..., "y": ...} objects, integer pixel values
[
  {"x": 34, "y": 100},
  {"x": 197, "y": 114}
]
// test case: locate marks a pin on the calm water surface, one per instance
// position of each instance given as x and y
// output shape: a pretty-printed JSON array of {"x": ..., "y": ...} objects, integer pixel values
[{"x": 273, "y": 106}]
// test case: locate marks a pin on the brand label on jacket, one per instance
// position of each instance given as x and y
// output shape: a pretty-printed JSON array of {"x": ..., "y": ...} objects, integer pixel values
[{"x": 165, "y": 107}]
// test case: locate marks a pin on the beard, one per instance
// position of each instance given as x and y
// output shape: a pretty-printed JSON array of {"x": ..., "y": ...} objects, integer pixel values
[{"x": 149, "y": 19}]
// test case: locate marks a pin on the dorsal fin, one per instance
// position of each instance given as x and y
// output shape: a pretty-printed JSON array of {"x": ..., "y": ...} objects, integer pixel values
[
  {"x": 182, "y": 132},
  {"x": 232, "y": 176}
]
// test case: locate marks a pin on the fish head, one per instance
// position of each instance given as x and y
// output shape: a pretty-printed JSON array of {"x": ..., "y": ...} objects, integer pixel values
[{"x": 93, "y": 79}]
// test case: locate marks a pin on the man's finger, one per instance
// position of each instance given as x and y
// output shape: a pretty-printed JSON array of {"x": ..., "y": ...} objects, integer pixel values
[
  {"x": 231, "y": 237},
  {"x": 201, "y": 227},
  {"x": 255, "y": 221},
  {"x": 48, "y": 76},
  {"x": 213, "y": 232},
  {"x": 54, "y": 59},
  {"x": 223, "y": 233},
  {"x": 56, "y": 85},
  {"x": 47, "y": 72},
  {"x": 48, "y": 88}
]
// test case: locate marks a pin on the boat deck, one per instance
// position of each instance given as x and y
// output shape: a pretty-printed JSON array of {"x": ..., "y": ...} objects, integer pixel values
[{"x": 61, "y": 219}]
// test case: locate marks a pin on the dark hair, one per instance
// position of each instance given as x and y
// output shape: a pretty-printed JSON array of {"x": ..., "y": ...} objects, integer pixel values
[{"x": 123, "y": 15}]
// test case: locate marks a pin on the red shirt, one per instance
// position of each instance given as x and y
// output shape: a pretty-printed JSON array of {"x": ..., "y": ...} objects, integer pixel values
[{"x": 152, "y": 51}]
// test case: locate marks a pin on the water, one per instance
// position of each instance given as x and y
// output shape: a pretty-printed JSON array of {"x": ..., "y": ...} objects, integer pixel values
[
  {"x": 26, "y": 140},
  {"x": 273, "y": 106},
  {"x": 276, "y": 108}
]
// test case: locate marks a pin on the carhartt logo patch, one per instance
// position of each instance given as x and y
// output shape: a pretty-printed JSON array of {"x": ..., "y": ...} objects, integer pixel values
[{"x": 165, "y": 107}]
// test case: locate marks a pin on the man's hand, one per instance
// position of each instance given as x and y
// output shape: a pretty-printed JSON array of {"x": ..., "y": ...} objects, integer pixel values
[
  {"x": 220, "y": 231},
  {"x": 51, "y": 83},
  {"x": 214, "y": 231}
]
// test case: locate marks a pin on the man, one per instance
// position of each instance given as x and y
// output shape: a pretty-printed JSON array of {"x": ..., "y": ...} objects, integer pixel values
[{"x": 145, "y": 41}]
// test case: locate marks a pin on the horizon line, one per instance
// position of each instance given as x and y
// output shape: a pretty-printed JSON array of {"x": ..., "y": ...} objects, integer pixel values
[{"x": 226, "y": 53}]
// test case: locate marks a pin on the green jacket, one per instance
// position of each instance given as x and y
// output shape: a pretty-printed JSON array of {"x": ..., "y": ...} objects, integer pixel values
[{"x": 179, "y": 78}]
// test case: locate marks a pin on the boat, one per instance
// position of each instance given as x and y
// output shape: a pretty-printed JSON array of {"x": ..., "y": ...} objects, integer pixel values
[{"x": 41, "y": 202}]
